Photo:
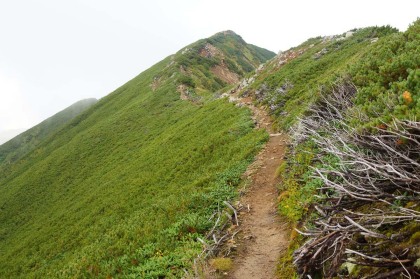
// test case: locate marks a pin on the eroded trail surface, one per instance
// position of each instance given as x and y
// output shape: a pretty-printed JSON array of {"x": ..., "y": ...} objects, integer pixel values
[{"x": 263, "y": 234}]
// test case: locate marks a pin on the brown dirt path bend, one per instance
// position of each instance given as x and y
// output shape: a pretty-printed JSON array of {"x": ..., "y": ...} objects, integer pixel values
[{"x": 263, "y": 234}]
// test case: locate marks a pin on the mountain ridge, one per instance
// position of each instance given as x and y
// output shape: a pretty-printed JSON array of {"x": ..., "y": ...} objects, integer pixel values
[
  {"x": 116, "y": 184},
  {"x": 7, "y": 135},
  {"x": 29, "y": 139},
  {"x": 147, "y": 182}
]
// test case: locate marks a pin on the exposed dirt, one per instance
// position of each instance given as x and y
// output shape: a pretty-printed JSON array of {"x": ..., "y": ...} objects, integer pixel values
[
  {"x": 259, "y": 115},
  {"x": 263, "y": 234},
  {"x": 155, "y": 84},
  {"x": 222, "y": 72},
  {"x": 181, "y": 89}
]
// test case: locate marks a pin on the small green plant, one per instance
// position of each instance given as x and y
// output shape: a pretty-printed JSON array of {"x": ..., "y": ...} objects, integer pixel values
[{"x": 221, "y": 264}]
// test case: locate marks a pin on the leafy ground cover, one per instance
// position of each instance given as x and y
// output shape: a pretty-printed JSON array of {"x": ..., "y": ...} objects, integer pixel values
[
  {"x": 126, "y": 187},
  {"x": 381, "y": 97}
]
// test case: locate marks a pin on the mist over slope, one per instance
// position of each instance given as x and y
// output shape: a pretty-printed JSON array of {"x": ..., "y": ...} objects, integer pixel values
[
  {"x": 25, "y": 142},
  {"x": 7, "y": 135}
]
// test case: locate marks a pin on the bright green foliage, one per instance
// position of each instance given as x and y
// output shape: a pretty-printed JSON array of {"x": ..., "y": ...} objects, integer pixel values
[
  {"x": 307, "y": 68},
  {"x": 297, "y": 182},
  {"x": 297, "y": 186},
  {"x": 222, "y": 264},
  {"x": 385, "y": 73},
  {"x": 24, "y": 143},
  {"x": 126, "y": 187},
  {"x": 390, "y": 64},
  {"x": 232, "y": 52}
]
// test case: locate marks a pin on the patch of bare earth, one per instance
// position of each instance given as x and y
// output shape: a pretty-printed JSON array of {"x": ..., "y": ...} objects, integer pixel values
[
  {"x": 263, "y": 234},
  {"x": 222, "y": 72},
  {"x": 182, "y": 91},
  {"x": 155, "y": 84}
]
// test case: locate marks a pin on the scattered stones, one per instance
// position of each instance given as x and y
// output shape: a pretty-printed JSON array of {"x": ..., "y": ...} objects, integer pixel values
[
  {"x": 276, "y": 135},
  {"x": 186, "y": 50},
  {"x": 320, "y": 53},
  {"x": 261, "y": 93},
  {"x": 349, "y": 34},
  {"x": 209, "y": 51},
  {"x": 246, "y": 93},
  {"x": 182, "y": 69},
  {"x": 282, "y": 62},
  {"x": 155, "y": 83},
  {"x": 284, "y": 57},
  {"x": 170, "y": 63},
  {"x": 187, "y": 94},
  {"x": 326, "y": 39},
  {"x": 282, "y": 90},
  {"x": 182, "y": 89},
  {"x": 246, "y": 82}
]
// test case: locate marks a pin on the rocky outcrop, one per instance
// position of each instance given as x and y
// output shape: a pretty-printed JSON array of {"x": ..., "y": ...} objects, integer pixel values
[
  {"x": 320, "y": 53},
  {"x": 209, "y": 51}
]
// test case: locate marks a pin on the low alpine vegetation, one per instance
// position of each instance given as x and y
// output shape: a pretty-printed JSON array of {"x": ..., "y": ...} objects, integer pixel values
[
  {"x": 126, "y": 188},
  {"x": 351, "y": 179}
]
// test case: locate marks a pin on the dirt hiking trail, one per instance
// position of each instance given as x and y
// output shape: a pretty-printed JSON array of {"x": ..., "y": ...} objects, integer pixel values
[{"x": 263, "y": 235}]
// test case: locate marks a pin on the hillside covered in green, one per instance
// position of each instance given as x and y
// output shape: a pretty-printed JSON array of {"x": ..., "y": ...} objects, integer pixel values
[
  {"x": 350, "y": 182},
  {"x": 126, "y": 187},
  {"x": 27, "y": 141},
  {"x": 129, "y": 187}
]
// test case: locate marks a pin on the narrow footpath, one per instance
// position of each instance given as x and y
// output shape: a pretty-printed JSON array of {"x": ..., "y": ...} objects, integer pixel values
[{"x": 263, "y": 234}]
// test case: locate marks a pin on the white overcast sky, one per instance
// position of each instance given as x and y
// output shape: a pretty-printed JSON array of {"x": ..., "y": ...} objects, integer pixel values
[{"x": 55, "y": 52}]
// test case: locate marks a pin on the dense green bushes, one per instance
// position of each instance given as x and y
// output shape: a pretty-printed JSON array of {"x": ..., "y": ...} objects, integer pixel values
[
  {"x": 225, "y": 49},
  {"x": 308, "y": 68},
  {"x": 125, "y": 189},
  {"x": 386, "y": 75}
]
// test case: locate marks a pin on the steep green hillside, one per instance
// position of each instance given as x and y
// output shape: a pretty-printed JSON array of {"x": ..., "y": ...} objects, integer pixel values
[
  {"x": 27, "y": 141},
  {"x": 125, "y": 188},
  {"x": 291, "y": 82},
  {"x": 7, "y": 135},
  {"x": 129, "y": 187},
  {"x": 350, "y": 183}
]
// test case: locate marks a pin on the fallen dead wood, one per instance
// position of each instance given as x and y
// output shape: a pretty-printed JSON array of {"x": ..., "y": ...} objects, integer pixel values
[
  {"x": 214, "y": 243},
  {"x": 364, "y": 194}
]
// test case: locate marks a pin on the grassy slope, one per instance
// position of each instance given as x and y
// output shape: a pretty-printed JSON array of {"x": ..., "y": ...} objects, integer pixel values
[
  {"x": 305, "y": 74},
  {"x": 125, "y": 187},
  {"x": 383, "y": 73},
  {"x": 237, "y": 56},
  {"x": 25, "y": 142}
]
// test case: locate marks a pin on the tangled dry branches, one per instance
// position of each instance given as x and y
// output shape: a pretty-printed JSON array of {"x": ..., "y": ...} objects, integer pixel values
[{"x": 368, "y": 196}]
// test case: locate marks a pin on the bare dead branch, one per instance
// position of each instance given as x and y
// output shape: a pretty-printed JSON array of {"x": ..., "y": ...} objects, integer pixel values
[{"x": 379, "y": 169}]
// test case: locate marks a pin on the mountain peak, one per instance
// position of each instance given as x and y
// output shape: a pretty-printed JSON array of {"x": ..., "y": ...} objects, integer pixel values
[
  {"x": 212, "y": 63},
  {"x": 227, "y": 32}
]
